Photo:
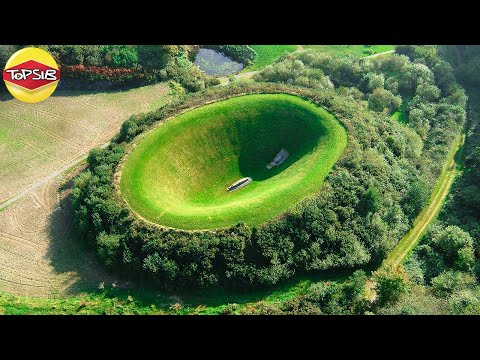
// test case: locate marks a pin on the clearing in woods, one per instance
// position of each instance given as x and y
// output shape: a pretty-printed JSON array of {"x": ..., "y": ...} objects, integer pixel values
[{"x": 268, "y": 54}]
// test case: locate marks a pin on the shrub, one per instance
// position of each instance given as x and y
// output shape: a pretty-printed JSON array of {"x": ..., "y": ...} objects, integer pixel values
[
  {"x": 390, "y": 284},
  {"x": 108, "y": 247}
]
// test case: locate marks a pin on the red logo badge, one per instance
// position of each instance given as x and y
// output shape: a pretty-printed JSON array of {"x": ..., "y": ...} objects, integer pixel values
[{"x": 31, "y": 74}]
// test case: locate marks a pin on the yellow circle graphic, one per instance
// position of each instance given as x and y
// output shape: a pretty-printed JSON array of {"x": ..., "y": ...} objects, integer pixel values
[{"x": 40, "y": 93}]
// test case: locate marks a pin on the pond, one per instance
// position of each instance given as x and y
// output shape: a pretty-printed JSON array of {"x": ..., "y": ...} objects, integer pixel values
[{"x": 214, "y": 63}]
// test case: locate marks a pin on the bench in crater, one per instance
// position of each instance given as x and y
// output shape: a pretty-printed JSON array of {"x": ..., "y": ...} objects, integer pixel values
[
  {"x": 176, "y": 175},
  {"x": 280, "y": 158},
  {"x": 239, "y": 184}
]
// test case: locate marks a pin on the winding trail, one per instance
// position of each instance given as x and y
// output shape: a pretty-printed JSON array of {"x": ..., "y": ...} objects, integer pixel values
[
  {"x": 423, "y": 220},
  {"x": 428, "y": 214}
]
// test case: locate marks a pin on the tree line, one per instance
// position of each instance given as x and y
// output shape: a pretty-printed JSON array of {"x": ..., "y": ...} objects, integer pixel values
[{"x": 101, "y": 67}]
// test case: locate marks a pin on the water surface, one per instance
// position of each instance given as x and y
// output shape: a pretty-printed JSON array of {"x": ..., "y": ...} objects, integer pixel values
[{"x": 214, "y": 63}]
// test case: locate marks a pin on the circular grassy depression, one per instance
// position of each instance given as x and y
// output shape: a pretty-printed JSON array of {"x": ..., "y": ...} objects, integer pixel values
[{"x": 178, "y": 173}]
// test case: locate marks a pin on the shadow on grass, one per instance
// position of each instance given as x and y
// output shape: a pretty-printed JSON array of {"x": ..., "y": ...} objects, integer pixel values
[
  {"x": 297, "y": 134},
  {"x": 69, "y": 254}
]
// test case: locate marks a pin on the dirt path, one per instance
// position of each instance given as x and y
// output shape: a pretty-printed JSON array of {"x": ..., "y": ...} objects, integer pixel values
[
  {"x": 424, "y": 219},
  {"x": 300, "y": 48},
  {"x": 246, "y": 75},
  {"x": 249, "y": 74}
]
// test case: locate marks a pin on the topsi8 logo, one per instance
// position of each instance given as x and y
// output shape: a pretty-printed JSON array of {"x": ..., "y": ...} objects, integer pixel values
[{"x": 31, "y": 75}]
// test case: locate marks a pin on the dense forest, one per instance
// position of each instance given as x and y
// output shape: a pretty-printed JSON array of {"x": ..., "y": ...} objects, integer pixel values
[
  {"x": 441, "y": 275},
  {"x": 367, "y": 203},
  {"x": 446, "y": 263}
]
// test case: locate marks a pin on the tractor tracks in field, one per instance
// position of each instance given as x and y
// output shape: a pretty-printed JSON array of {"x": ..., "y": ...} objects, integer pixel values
[
  {"x": 42, "y": 182},
  {"x": 58, "y": 116},
  {"x": 45, "y": 180}
]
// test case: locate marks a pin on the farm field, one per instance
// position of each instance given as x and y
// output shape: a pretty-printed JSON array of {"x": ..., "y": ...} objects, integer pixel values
[
  {"x": 213, "y": 146},
  {"x": 37, "y": 139},
  {"x": 351, "y": 50},
  {"x": 39, "y": 254}
]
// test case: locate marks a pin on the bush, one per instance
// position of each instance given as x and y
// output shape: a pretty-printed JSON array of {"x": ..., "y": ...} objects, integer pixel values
[
  {"x": 415, "y": 199},
  {"x": 390, "y": 285},
  {"x": 465, "y": 302},
  {"x": 108, "y": 247},
  {"x": 381, "y": 99},
  {"x": 449, "y": 282}
]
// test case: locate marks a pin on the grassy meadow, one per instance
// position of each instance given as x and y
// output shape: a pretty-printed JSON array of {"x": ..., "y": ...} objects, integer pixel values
[
  {"x": 351, "y": 50},
  {"x": 268, "y": 54}
]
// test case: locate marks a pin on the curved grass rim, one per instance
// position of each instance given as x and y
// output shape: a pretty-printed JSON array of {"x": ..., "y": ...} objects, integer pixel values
[{"x": 154, "y": 127}]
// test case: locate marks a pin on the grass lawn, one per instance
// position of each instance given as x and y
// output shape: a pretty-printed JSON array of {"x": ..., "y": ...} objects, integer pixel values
[
  {"x": 351, "y": 50},
  {"x": 268, "y": 54},
  {"x": 177, "y": 174}
]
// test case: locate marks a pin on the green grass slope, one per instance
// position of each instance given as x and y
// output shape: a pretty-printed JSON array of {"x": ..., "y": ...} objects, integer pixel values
[{"x": 178, "y": 173}]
